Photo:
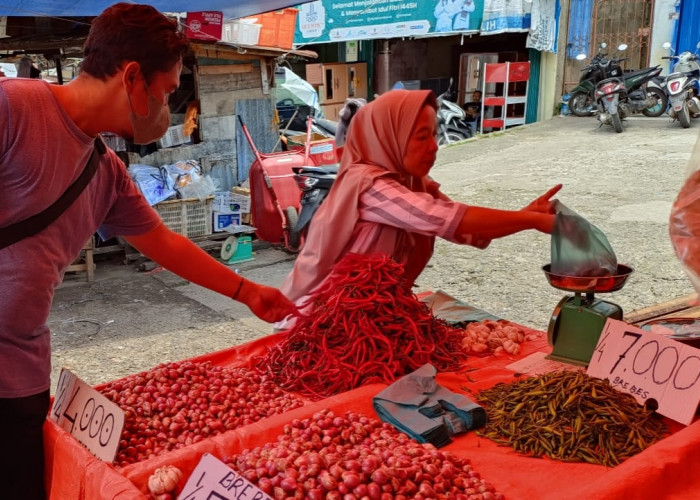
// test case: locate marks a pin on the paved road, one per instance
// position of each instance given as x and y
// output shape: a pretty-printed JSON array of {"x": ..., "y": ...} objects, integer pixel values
[{"x": 128, "y": 321}]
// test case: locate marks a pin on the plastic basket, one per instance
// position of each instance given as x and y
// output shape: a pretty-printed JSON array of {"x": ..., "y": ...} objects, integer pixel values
[
  {"x": 189, "y": 217},
  {"x": 278, "y": 28},
  {"x": 240, "y": 32}
]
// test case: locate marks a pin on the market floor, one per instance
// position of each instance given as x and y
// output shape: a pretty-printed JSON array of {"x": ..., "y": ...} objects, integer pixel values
[{"x": 127, "y": 321}]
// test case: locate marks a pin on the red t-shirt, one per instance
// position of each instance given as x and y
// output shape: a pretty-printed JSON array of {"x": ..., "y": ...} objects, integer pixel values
[{"x": 42, "y": 152}]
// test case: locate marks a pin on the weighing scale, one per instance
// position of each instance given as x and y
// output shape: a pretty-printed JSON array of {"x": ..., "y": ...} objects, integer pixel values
[
  {"x": 237, "y": 248},
  {"x": 578, "y": 320}
]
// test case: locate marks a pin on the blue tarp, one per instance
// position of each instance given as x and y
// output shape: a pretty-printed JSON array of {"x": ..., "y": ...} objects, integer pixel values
[{"x": 77, "y": 8}]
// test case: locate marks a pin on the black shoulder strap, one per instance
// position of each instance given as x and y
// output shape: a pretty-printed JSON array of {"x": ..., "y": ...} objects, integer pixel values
[{"x": 19, "y": 230}]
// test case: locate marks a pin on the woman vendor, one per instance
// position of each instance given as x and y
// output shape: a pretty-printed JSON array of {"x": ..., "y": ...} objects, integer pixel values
[{"x": 384, "y": 202}]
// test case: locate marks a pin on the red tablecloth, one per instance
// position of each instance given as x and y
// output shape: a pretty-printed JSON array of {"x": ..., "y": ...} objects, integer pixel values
[{"x": 665, "y": 470}]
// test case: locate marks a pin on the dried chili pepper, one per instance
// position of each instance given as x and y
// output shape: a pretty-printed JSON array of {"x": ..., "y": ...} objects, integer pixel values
[{"x": 364, "y": 325}]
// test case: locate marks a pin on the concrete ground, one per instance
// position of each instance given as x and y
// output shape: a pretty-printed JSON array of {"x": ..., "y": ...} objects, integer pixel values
[{"x": 127, "y": 321}]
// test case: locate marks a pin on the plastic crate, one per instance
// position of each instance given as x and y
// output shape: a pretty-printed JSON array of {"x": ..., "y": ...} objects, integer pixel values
[
  {"x": 277, "y": 28},
  {"x": 189, "y": 217},
  {"x": 241, "y": 33}
]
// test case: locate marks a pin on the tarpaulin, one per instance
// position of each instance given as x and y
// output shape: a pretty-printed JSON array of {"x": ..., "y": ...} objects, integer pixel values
[
  {"x": 665, "y": 470},
  {"x": 231, "y": 9}
]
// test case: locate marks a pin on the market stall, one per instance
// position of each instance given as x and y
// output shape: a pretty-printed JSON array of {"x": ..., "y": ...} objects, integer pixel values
[{"x": 664, "y": 470}]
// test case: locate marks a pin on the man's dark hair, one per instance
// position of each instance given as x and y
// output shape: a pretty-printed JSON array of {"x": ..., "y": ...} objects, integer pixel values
[{"x": 128, "y": 32}]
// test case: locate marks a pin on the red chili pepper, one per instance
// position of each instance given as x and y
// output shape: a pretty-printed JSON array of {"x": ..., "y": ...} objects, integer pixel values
[{"x": 364, "y": 325}]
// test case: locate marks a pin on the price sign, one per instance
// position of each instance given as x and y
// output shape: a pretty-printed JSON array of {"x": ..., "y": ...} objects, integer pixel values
[
  {"x": 649, "y": 366},
  {"x": 88, "y": 416},
  {"x": 214, "y": 480}
]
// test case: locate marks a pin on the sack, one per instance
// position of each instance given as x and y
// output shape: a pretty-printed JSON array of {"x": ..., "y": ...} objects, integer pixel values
[{"x": 578, "y": 247}]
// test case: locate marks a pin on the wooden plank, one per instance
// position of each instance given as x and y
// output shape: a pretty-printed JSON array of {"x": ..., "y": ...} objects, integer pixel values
[
  {"x": 679, "y": 307},
  {"x": 224, "y": 69},
  {"x": 228, "y": 82},
  {"x": 224, "y": 103}
]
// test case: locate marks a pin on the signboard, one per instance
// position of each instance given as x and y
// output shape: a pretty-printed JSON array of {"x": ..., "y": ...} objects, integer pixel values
[
  {"x": 214, "y": 480},
  {"x": 88, "y": 416},
  {"x": 341, "y": 20},
  {"x": 649, "y": 366}
]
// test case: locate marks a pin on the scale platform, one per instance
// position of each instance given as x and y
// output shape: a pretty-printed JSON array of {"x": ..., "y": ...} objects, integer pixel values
[{"x": 578, "y": 320}]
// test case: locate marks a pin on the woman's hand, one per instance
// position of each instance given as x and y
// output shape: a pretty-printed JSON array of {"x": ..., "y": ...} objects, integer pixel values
[
  {"x": 266, "y": 302},
  {"x": 543, "y": 204}
]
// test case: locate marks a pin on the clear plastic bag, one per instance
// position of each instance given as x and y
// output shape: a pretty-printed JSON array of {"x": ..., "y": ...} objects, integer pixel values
[
  {"x": 578, "y": 247},
  {"x": 153, "y": 182},
  {"x": 684, "y": 222}
]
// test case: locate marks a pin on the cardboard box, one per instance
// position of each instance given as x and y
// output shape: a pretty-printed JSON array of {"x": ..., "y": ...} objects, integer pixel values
[
  {"x": 220, "y": 221},
  {"x": 174, "y": 137},
  {"x": 205, "y": 25},
  {"x": 228, "y": 202},
  {"x": 321, "y": 148}
]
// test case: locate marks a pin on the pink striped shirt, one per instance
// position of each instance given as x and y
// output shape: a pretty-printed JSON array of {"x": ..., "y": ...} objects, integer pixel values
[{"x": 389, "y": 202}]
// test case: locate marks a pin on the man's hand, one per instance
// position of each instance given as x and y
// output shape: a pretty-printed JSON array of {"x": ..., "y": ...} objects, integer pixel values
[
  {"x": 266, "y": 302},
  {"x": 543, "y": 204}
]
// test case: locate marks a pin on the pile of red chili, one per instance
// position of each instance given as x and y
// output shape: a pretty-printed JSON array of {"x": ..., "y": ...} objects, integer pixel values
[{"x": 363, "y": 325}]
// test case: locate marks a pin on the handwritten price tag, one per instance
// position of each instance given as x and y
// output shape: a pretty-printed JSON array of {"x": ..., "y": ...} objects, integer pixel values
[
  {"x": 649, "y": 366},
  {"x": 214, "y": 480},
  {"x": 88, "y": 416}
]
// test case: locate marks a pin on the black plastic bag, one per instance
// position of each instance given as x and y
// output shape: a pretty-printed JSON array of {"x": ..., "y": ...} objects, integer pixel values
[{"x": 578, "y": 247}]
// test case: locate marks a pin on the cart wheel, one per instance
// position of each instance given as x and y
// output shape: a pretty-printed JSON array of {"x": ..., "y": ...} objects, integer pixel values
[{"x": 292, "y": 219}]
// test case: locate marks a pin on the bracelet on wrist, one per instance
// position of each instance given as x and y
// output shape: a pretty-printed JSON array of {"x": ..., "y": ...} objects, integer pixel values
[{"x": 240, "y": 285}]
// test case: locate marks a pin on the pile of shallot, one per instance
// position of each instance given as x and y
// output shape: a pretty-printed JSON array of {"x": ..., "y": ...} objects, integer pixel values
[
  {"x": 495, "y": 337},
  {"x": 177, "y": 404},
  {"x": 354, "y": 457}
]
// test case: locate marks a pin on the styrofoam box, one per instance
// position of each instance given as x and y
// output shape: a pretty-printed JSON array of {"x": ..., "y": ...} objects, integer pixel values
[
  {"x": 220, "y": 221},
  {"x": 228, "y": 202},
  {"x": 174, "y": 137},
  {"x": 242, "y": 33}
]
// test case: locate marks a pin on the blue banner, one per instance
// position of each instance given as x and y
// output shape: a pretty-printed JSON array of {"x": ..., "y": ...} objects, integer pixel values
[
  {"x": 341, "y": 20},
  {"x": 506, "y": 16}
]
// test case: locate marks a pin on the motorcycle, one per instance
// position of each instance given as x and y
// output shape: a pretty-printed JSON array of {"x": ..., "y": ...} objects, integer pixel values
[
  {"x": 452, "y": 124},
  {"x": 682, "y": 86},
  {"x": 644, "y": 91},
  {"x": 315, "y": 183},
  {"x": 608, "y": 94}
]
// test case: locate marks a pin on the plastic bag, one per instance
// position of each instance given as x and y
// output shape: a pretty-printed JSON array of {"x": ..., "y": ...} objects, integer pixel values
[
  {"x": 684, "y": 223},
  {"x": 154, "y": 183},
  {"x": 189, "y": 181},
  {"x": 578, "y": 247}
]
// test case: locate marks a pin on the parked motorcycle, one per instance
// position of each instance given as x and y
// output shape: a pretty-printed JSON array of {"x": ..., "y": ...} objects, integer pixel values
[
  {"x": 683, "y": 86},
  {"x": 643, "y": 89},
  {"x": 452, "y": 124},
  {"x": 315, "y": 184},
  {"x": 608, "y": 94}
]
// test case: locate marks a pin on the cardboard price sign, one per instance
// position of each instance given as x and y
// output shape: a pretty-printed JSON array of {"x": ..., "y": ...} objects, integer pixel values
[
  {"x": 649, "y": 366},
  {"x": 88, "y": 416},
  {"x": 214, "y": 480}
]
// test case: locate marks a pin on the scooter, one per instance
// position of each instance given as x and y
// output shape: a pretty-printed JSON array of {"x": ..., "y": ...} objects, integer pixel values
[
  {"x": 452, "y": 124},
  {"x": 682, "y": 86},
  {"x": 315, "y": 184},
  {"x": 644, "y": 92},
  {"x": 607, "y": 95}
]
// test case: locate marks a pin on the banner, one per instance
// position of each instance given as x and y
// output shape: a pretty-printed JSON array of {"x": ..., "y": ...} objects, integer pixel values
[
  {"x": 544, "y": 24},
  {"x": 506, "y": 16},
  {"x": 341, "y": 20}
]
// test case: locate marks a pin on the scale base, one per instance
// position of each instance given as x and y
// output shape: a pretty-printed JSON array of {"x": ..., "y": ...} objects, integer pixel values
[
  {"x": 576, "y": 325},
  {"x": 236, "y": 250}
]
